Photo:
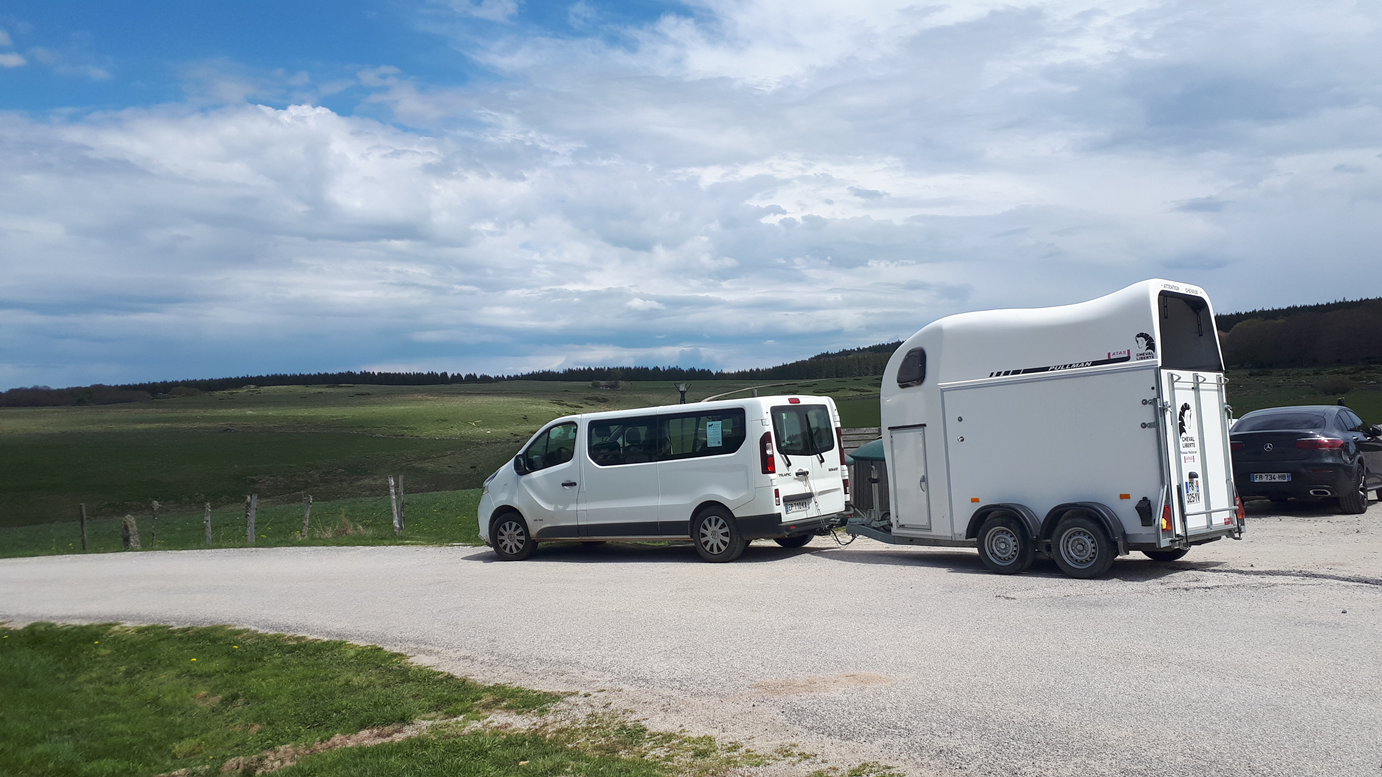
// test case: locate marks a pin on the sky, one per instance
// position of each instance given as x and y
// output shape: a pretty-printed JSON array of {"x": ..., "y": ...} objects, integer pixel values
[{"x": 213, "y": 188}]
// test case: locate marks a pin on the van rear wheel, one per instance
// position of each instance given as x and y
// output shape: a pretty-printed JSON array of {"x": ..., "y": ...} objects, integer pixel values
[
  {"x": 717, "y": 536},
  {"x": 1081, "y": 548},
  {"x": 795, "y": 541},
  {"x": 511, "y": 539},
  {"x": 1003, "y": 546}
]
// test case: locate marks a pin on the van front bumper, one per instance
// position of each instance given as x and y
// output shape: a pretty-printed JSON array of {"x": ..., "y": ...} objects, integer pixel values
[{"x": 771, "y": 526}]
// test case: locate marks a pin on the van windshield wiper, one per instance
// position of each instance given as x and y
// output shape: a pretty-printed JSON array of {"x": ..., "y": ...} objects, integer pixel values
[{"x": 815, "y": 447}]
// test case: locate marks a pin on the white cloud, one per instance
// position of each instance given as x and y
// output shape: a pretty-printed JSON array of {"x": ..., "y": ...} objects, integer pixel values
[
  {"x": 10, "y": 59},
  {"x": 5, "y": 39},
  {"x": 814, "y": 175}
]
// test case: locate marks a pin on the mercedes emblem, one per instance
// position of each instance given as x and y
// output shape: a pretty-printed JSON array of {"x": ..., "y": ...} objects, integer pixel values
[{"x": 1267, "y": 447}]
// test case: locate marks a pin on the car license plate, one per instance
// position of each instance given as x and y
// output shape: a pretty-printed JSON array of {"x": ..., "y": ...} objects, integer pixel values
[
  {"x": 1271, "y": 477},
  {"x": 797, "y": 507}
]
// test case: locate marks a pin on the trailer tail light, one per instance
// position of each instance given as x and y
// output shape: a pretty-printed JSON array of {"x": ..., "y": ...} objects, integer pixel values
[
  {"x": 1235, "y": 445},
  {"x": 766, "y": 457},
  {"x": 1242, "y": 513},
  {"x": 1319, "y": 443},
  {"x": 1166, "y": 518},
  {"x": 840, "y": 443}
]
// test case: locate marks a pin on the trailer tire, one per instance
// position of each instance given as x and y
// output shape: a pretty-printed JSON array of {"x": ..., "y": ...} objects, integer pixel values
[
  {"x": 717, "y": 536},
  {"x": 1081, "y": 548},
  {"x": 1354, "y": 501},
  {"x": 1004, "y": 547},
  {"x": 511, "y": 539},
  {"x": 1173, "y": 554},
  {"x": 794, "y": 541}
]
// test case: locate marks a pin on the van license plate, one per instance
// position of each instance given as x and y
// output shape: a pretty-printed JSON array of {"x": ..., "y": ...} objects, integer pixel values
[
  {"x": 1271, "y": 477},
  {"x": 797, "y": 507}
]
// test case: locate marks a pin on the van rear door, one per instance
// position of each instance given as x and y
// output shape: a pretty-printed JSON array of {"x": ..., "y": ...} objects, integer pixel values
[
  {"x": 1196, "y": 442},
  {"x": 811, "y": 480}
]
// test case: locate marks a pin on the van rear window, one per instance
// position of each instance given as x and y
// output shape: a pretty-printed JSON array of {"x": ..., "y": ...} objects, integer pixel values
[{"x": 803, "y": 430}]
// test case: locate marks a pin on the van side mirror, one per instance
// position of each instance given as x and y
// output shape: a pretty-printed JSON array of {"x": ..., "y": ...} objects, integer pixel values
[{"x": 520, "y": 465}]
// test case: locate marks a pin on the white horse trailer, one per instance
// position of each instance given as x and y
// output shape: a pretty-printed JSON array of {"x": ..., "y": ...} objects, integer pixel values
[{"x": 1082, "y": 432}]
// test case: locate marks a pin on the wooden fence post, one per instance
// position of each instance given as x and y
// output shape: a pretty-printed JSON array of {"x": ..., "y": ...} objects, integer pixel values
[
  {"x": 251, "y": 508},
  {"x": 129, "y": 533},
  {"x": 83, "y": 525},
  {"x": 393, "y": 501},
  {"x": 402, "y": 507},
  {"x": 306, "y": 514},
  {"x": 153, "y": 532},
  {"x": 208, "y": 524}
]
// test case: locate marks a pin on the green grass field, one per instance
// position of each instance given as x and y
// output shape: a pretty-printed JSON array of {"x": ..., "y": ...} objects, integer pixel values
[
  {"x": 340, "y": 443},
  {"x": 110, "y": 700}
]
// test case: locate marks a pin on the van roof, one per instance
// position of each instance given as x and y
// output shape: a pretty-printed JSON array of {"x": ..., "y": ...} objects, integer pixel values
[{"x": 693, "y": 407}]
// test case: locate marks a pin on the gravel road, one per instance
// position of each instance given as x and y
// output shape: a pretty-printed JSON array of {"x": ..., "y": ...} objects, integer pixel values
[{"x": 1259, "y": 657}]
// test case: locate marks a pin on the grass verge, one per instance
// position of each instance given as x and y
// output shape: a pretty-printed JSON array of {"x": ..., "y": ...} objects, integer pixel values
[{"x": 153, "y": 700}]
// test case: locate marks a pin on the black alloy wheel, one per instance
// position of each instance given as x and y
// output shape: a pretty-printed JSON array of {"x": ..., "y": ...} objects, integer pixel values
[{"x": 1354, "y": 501}]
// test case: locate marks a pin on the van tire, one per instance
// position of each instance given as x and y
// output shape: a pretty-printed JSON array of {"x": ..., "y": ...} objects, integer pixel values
[
  {"x": 716, "y": 535},
  {"x": 1081, "y": 548},
  {"x": 510, "y": 538},
  {"x": 1174, "y": 554},
  {"x": 1004, "y": 547},
  {"x": 1354, "y": 501},
  {"x": 794, "y": 541}
]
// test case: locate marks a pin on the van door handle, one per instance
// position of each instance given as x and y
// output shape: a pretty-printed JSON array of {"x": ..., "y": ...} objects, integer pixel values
[{"x": 568, "y": 484}]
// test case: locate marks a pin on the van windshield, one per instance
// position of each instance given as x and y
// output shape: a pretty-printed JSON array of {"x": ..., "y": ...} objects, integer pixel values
[{"x": 803, "y": 430}]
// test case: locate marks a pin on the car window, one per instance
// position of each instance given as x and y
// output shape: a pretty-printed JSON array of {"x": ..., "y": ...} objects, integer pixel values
[
  {"x": 1351, "y": 421},
  {"x": 617, "y": 441},
  {"x": 1280, "y": 422},
  {"x": 553, "y": 447},
  {"x": 803, "y": 430},
  {"x": 712, "y": 433}
]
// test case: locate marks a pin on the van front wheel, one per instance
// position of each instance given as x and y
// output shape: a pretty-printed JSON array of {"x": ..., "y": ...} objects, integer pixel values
[
  {"x": 1004, "y": 547},
  {"x": 717, "y": 536},
  {"x": 1081, "y": 548},
  {"x": 511, "y": 539}
]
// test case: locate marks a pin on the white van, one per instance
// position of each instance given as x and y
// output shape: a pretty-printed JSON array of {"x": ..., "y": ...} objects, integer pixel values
[
  {"x": 1081, "y": 432},
  {"x": 718, "y": 473}
]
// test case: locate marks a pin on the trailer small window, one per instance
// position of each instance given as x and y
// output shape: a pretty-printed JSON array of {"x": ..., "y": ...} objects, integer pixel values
[
  {"x": 1189, "y": 340},
  {"x": 912, "y": 372}
]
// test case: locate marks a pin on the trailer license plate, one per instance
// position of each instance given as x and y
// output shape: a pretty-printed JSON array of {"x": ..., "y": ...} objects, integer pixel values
[
  {"x": 797, "y": 507},
  {"x": 1271, "y": 477}
]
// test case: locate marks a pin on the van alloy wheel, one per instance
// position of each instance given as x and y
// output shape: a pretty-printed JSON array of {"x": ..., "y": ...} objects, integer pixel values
[
  {"x": 512, "y": 541},
  {"x": 1003, "y": 545},
  {"x": 1081, "y": 548},
  {"x": 716, "y": 535}
]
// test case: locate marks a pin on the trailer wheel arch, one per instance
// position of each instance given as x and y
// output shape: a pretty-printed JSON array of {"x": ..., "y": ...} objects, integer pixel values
[
  {"x": 1022, "y": 513},
  {"x": 1100, "y": 512}
]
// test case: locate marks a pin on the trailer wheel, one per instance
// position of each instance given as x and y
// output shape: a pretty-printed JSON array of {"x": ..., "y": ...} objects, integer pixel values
[
  {"x": 794, "y": 541},
  {"x": 717, "y": 536},
  {"x": 1354, "y": 501},
  {"x": 1003, "y": 546},
  {"x": 1166, "y": 555},
  {"x": 1081, "y": 548},
  {"x": 511, "y": 539}
]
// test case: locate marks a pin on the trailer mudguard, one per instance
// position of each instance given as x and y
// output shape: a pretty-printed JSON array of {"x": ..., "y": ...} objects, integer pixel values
[
  {"x": 1023, "y": 513},
  {"x": 1102, "y": 512}
]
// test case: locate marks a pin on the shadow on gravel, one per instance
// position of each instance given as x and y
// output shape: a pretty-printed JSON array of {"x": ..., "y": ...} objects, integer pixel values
[
  {"x": 1294, "y": 508},
  {"x": 644, "y": 553}
]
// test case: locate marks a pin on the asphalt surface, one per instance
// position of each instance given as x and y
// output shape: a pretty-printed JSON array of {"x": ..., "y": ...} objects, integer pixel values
[{"x": 1260, "y": 657}]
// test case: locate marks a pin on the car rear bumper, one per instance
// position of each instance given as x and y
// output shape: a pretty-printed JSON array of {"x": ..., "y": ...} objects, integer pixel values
[{"x": 1308, "y": 479}]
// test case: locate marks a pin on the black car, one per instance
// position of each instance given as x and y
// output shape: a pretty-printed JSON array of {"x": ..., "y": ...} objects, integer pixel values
[{"x": 1308, "y": 451}]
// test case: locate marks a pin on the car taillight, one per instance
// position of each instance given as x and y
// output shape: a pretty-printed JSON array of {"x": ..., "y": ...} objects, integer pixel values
[
  {"x": 1319, "y": 443},
  {"x": 765, "y": 454},
  {"x": 1166, "y": 518},
  {"x": 840, "y": 443},
  {"x": 1235, "y": 445}
]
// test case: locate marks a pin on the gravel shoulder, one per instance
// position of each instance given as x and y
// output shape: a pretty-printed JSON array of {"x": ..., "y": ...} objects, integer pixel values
[{"x": 1252, "y": 657}]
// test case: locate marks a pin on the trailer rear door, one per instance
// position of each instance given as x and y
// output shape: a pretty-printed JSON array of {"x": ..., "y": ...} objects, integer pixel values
[{"x": 1195, "y": 423}]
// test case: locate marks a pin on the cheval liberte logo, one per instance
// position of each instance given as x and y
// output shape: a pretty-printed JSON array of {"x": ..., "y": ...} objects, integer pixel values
[{"x": 1145, "y": 349}]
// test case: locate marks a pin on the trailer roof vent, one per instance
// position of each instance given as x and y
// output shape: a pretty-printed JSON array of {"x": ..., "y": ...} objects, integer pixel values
[{"x": 912, "y": 371}]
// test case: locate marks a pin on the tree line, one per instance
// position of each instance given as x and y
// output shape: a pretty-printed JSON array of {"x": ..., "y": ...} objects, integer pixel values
[{"x": 1338, "y": 333}]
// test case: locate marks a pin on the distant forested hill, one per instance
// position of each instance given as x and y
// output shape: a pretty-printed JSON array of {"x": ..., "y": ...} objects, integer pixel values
[{"x": 1304, "y": 335}]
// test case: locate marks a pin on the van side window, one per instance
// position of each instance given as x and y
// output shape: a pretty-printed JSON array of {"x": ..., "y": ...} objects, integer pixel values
[
  {"x": 912, "y": 371},
  {"x": 618, "y": 441},
  {"x": 803, "y": 430},
  {"x": 713, "y": 433},
  {"x": 555, "y": 446}
]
